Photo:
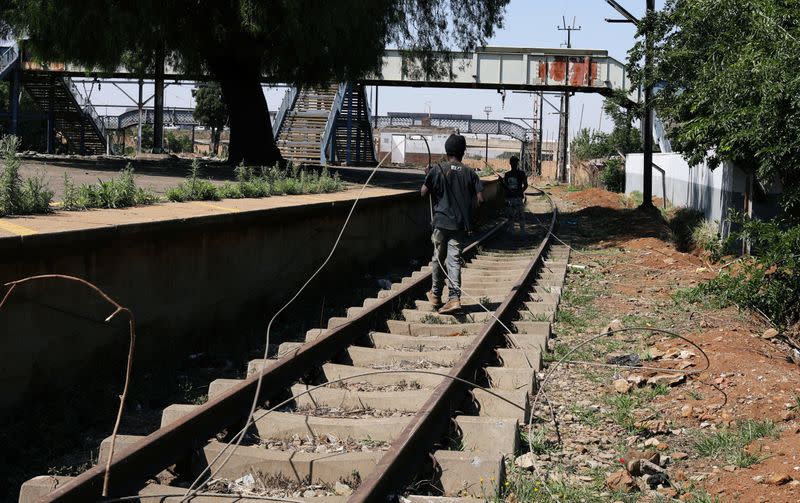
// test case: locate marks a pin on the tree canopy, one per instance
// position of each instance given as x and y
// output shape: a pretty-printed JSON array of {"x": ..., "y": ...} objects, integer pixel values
[
  {"x": 623, "y": 139},
  {"x": 728, "y": 86},
  {"x": 239, "y": 43}
]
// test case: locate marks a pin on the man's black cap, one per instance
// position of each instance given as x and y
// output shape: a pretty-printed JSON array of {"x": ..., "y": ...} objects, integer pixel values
[{"x": 455, "y": 145}]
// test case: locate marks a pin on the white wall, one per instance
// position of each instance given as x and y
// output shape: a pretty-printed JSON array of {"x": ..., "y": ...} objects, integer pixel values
[{"x": 714, "y": 192}]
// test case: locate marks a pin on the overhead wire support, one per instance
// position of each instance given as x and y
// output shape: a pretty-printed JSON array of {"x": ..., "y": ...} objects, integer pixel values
[
  {"x": 563, "y": 136},
  {"x": 647, "y": 120}
]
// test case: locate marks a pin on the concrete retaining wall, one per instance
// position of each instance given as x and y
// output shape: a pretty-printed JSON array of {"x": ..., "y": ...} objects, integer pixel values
[{"x": 188, "y": 283}]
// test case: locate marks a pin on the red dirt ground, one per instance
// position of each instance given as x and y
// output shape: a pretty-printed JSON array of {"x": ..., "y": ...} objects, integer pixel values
[{"x": 748, "y": 377}]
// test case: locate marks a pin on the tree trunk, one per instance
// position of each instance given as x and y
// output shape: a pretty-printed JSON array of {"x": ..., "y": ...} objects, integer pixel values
[{"x": 251, "y": 138}]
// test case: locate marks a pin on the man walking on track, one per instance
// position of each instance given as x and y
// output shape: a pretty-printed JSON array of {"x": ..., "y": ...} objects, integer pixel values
[
  {"x": 515, "y": 183},
  {"x": 456, "y": 190}
]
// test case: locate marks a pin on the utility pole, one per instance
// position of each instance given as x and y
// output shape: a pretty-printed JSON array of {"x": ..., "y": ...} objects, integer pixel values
[
  {"x": 569, "y": 29},
  {"x": 563, "y": 126},
  {"x": 564, "y": 122},
  {"x": 647, "y": 181},
  {"x": 487, "y": 110},
  {"x": 158, "y": 102},
  {"x": 140, "y": 106},
  {"x": 647, "y": 120}
]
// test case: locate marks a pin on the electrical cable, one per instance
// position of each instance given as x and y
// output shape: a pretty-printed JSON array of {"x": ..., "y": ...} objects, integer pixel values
[{"x": 257, "y": 393}]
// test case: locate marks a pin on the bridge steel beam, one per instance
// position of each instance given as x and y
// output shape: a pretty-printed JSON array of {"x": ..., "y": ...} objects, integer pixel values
[{"x": 531, "y": 69}]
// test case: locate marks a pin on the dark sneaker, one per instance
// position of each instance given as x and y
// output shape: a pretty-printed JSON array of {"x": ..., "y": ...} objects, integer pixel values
[
  {"x": 435, "y": 300},
  {"x": 452, "y": 306}
]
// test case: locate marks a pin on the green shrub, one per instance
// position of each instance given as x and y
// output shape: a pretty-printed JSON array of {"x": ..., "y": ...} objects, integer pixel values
[
  {"x": 613, "y": 175},
  {"x": 273, "y": 181},
  {"x": 767, "y": 280},
  {"x": 10, "y": 181},
  {"x": 36, "y": 196},
  {"x": 119, "y": 192},
  {"x": 706, "y": 237},
  {"x": 194, "y": 188},
  {"x": 18, "y": 197},
  {"x": 682, "y": 223}
]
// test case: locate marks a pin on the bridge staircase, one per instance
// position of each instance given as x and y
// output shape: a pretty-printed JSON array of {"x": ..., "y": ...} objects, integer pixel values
[
  {"x": 325, "y": 125},
  {"x": 74, "y": 121},
  {"x": 352, "y": 142},
  {"x": 300, "y": 133},
  {"x": 77, "y": 126}
]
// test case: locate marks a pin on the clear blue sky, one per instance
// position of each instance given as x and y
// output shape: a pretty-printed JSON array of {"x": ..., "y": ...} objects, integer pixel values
[{"x": 528, "y": 23}]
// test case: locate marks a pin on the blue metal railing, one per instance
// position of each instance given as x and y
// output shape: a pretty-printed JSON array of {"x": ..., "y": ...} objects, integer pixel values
[
  {"x": 330, "y": 126},
  {"x": 466, "y": 125},
  {"x": 369, "y": 123},
  {"x": 288, "y": 102}
]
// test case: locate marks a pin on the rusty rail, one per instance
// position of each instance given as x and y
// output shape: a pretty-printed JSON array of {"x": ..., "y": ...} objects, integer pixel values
[
  {"x": 428, "y": 426},
  {"x": 172, "y": 443}
]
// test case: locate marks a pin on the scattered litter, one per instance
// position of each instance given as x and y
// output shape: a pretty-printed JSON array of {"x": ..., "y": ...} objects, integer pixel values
[
  {"x": 629, "y": 360},
  {"x": 247, "y": 482}
]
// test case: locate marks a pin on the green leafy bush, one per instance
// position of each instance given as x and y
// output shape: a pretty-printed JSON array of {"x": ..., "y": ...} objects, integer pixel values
[
  {"x": 767, "y": 280},
  {"x": 706, "y": 237},
  {"x": 613, "y": 175},
  {"x": 18, "y": 197},
  {"x": 194, "y": 188},
  {"x": 36, "y": 196},
  {"x": 683, "y": 222},
  {"x": 119, "y": 192}
]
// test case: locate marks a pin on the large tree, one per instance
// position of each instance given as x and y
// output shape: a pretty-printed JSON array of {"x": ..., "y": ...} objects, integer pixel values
[
  {"x": 239, "y": 43},
  {"x": 728, "y": 85},
  {"x": 210, "y": 111}
]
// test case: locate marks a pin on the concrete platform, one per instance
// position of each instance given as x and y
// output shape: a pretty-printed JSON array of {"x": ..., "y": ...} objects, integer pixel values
[{"x": 33, "y": 227}]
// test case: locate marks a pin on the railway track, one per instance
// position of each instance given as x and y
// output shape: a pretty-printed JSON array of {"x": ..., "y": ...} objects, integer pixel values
[{"x": 374, "y": 405}]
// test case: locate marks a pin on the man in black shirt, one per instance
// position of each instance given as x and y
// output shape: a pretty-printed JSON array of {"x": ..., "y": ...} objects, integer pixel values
[
  {"x": 515, "y": 183},
  {"x": 455, "y": 189}
]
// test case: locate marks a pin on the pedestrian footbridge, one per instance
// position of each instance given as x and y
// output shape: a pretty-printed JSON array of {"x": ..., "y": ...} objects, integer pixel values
[{"x": 330, "y": 124}]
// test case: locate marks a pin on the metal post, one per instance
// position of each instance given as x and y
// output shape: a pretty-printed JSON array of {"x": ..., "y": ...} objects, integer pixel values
[
  {"x": 158, "y": 102},
  {"x": 83, "y": 136},
  {"x": 647, "y": 172},
  {"x": 348, "y": 90},
  {"x": 14, "y": 101},
  {"x": 376, "y": 106},
  {"x": 541, "y": 138},
  {"x": 563, "y": 139},
  {"x": 193, "y": 127},
  {"x": 51, "y": 122},
  {"x": 140, "y": 105}
]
